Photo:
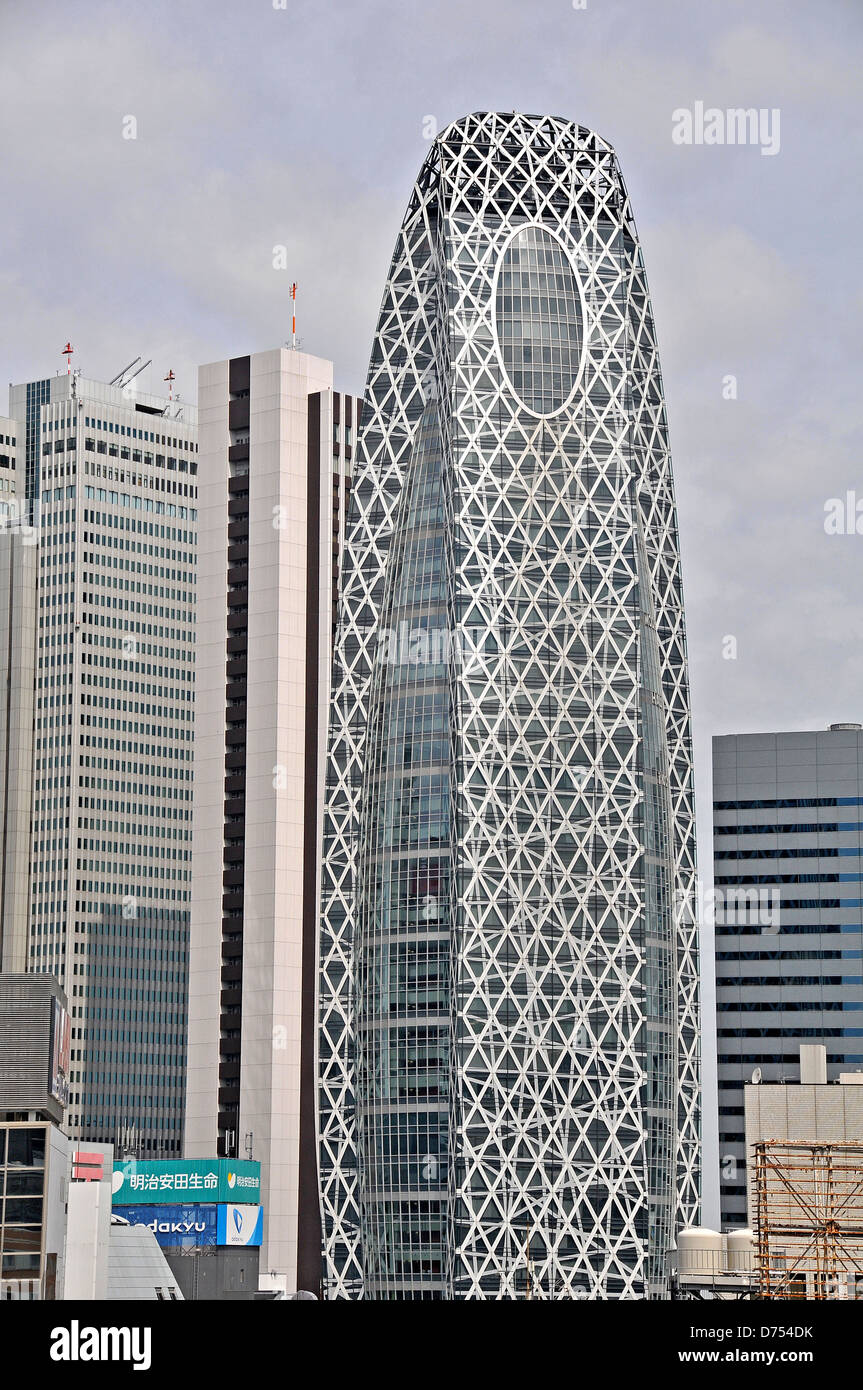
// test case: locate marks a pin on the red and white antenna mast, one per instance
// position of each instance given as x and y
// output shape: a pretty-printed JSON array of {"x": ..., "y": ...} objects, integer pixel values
[
  {"x": 170, "y": 380},
  {"x": 67, "y": 353},
  {"x": 294, "y": 316}
]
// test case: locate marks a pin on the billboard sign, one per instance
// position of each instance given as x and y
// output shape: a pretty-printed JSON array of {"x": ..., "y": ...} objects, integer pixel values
[
  {"x": 240, "y": 1225},
  {"x": 186, "y": 1227},
  {"x": 194, "y": 1180},
  {"x": 61, "y": 1048}
]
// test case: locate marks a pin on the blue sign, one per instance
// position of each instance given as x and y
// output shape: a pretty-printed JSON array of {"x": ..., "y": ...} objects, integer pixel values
[
  {"x": 188, "y": 1227},
  {"x": 240, "y": 1225}
]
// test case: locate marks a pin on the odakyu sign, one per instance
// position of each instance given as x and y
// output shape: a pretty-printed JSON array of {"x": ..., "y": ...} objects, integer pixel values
[
  {"x": 186, "y": 1226},
  {"x": 202, "y": 1224},
  {"x": 192, "y": 1180}
]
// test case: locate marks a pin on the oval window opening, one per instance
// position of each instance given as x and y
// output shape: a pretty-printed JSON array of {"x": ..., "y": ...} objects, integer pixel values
[{"x": 539, "y": 325}]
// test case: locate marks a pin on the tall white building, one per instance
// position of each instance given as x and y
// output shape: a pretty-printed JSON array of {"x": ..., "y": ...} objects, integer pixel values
[
  {"x": 19, "y": 562},
  {"x": 509, "y": 1079},
  {"x": 10, "y": 452},
  {"x": 111, "y": 481},
  {"x": 276, "y": 444}
]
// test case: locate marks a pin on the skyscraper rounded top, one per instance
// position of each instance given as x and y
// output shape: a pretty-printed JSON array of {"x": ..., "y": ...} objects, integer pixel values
[{"x": 528, "y": 126}]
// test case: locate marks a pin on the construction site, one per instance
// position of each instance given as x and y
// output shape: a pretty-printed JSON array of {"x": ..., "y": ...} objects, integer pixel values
[
  {"x": 808, "y": 1229},
  {"x": 804, "y": 1197}
]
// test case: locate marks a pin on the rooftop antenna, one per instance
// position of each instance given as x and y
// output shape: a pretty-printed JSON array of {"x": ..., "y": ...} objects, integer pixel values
[
  {"x": 128, "y": 380},
  {"x": 170, "y": 380},
  {"x": 118, "y": 378},
  {"x": 294, "y": 316},
  {"x": 67, "y": 353}
]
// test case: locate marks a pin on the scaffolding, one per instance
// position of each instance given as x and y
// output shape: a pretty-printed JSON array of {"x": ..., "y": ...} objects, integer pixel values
[{"x": 808, "y": 1220}]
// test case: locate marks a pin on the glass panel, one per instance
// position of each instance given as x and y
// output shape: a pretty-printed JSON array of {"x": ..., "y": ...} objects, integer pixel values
[
  {"x": 22, "y": 1238},
  {"x": 24, "y": 1184},
  {"x": 23, "y": 1210},
  {"x": 18, "y": 1266},
  {"x": 539, "y": 320},
  {"x": 26, "y": 1148}
]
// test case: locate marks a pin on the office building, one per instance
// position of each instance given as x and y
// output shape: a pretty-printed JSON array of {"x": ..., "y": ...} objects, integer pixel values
[
  {"x": 275, "y": 452},
  {"x": 34, "y": 1151},
  {"x": 111, "y": 484},
  {"x": 787, "y": 829},
  {"x": 509, "y": 1076},
  {"x": 10, "y": 451},
  {"x": 19, "y": 567}
]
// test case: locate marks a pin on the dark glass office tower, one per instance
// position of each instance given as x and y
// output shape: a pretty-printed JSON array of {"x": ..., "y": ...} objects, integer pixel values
[{"x": 508, "y": 993}]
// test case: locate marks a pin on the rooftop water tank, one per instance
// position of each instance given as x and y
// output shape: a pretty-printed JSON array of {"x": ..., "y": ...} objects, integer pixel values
[
  {"x": 740, "y": 1251},
  {"x": 699, "y": 1251}
]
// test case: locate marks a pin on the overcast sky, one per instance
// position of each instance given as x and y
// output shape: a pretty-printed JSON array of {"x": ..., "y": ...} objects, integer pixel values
[{"x": 258, "y": 127}]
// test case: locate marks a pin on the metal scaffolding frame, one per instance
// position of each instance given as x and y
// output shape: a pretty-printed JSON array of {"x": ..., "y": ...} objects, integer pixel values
[{"x": 808, "y": 1219}]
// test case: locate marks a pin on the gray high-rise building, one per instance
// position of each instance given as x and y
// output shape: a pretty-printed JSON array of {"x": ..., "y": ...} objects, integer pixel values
[
  {"x": 100, "y": 806},
  {"x": 788, "y": 876},
  {"x": 509, "y": 1075}
]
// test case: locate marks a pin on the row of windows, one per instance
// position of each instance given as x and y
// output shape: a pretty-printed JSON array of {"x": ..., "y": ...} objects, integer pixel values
[
  {"x": 792, "y": 928},
  {"x": 791, "y": 828},
  {"x": 150, "y": 482},
  {"x": 821, "y": 852},
  {"x": 786, "y": 1033},
  {"x": 743, "y": 879},
  {"x": 131, "y": 455},
  {"x": 109, "y": 521},
  {"x": 790, "y": 955},
  {"x": 771, "y": 1058},
  {"x": 136, "y": 503},
  {"x": 792, "y": 981},
  {"x": 793, "y": 801},
  {"x": 130, "y": 432}
]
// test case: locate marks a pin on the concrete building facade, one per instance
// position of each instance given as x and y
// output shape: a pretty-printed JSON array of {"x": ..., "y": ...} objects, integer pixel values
[
  {"x": 276, "y": 444},
  {"x": 19, "y": 570},
  {"x": 111, "y": 488}
]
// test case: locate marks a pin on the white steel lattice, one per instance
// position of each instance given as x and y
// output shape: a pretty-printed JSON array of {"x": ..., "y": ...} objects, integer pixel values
[{"x": 509, "y": 1072}]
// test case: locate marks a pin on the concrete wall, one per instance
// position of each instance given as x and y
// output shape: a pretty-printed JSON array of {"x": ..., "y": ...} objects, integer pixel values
[{"x": 217, "y": 1273}]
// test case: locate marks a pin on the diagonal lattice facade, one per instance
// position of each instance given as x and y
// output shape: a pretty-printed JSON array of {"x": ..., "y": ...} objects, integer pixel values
[{"x": 509, "y": 1071}]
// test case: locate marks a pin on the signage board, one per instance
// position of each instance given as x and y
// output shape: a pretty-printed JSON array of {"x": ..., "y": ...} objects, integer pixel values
[
  {"x": 61, "y": 1045},
  {"x": 188, "y": 1227},
  {"x": 240, "y": 1225},
  {"x": 193, "y": 1226},
  {"x": 194, "y": 1180}
]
